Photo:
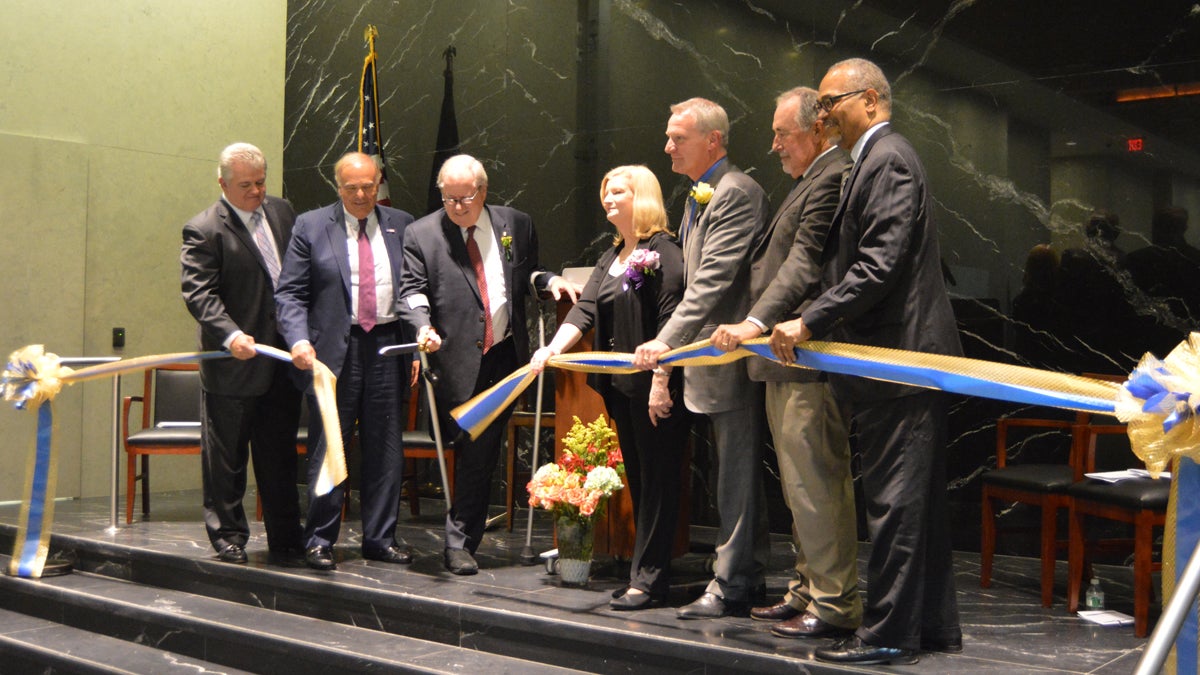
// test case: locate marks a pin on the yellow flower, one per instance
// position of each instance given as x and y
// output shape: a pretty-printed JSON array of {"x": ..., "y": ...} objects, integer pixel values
[{"x": 702, "y": 192}]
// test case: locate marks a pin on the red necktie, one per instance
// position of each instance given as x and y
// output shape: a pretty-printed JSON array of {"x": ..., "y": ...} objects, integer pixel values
[
  {"x": 481, "y": 279},
  {"x": 366, "y": 278}
]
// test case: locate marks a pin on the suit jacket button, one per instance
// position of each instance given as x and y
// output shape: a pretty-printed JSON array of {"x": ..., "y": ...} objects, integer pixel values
[
  {"x": 481, "y": 318},
  {"x": 479, "y": 344}
]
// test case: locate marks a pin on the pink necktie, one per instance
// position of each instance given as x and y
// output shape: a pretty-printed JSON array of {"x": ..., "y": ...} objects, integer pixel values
[
  {"x": 481, "y": 279},
  {"x": 366, "y": 278}
]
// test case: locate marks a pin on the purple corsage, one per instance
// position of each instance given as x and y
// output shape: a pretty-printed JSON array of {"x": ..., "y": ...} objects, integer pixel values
[{"x": 641, "y": 264}]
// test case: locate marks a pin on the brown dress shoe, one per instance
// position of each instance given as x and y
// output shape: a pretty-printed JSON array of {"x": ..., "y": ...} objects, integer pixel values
[
  {"x": 808, "y": 625},
  {"x": 780, "y": 611}
]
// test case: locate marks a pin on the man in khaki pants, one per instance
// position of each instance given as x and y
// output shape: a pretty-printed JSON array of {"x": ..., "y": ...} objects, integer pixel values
[{"x": 810, "y": 436}]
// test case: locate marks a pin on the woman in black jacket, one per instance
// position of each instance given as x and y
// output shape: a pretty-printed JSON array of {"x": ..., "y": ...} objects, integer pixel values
[{"x": 629, "y": 296}]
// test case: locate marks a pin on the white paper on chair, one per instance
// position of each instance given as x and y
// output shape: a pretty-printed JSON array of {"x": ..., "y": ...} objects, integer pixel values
[
  {"x": 1114, "y": 476},
  {"x": 177, "y": 425},
  {"x": 1106, "y": 617}
]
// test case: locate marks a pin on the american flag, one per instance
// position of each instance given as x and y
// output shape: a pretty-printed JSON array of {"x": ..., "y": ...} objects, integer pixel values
[{"x": 370, "y": 138}]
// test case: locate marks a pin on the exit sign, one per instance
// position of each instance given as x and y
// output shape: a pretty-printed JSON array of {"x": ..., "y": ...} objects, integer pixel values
[{"x": 1135, "y": 144}]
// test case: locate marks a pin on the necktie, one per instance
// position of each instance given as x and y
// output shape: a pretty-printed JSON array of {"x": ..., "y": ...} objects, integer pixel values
[
  {"x": 366, "y": 278},
  {"x": 265, "y": 247},
  {"x": 481, "y": 279}
]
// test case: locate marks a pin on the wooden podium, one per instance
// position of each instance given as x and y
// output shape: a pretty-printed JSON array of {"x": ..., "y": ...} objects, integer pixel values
[{"x": 614, "y": 533}]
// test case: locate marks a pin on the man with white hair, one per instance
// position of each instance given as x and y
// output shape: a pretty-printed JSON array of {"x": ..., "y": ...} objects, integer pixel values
[{"x": 468, "y": 269}]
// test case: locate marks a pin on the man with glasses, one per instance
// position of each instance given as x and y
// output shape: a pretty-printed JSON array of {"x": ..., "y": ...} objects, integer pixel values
[
  {"x": 468, "y": 269},
  {"x": 806, "y": 422},
  {"x": 337, "y": 303},
  {"x": 882, "y": 286}
]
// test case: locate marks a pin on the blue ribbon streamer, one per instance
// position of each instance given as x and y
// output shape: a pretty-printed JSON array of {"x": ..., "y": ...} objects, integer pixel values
[
  {"x": 1187, "y": 534},
  {"x": 30, "y": 565}
]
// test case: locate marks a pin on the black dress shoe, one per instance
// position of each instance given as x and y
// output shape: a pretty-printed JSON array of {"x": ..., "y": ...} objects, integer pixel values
[
  {"x": 780, "y": 611},
  {"x": 854, "y": 650},
  {"x": 232, "y": 553},
  {"x": 952, "y": 646},
  {"x": 459, "y": 561},
  {"x": 319, "y": 558},
  {"x": 629, "y": 602},
  {"x": 391, "y": 554},
  {"x": 712, "y": 606},
  {"x": 808, "y": 625}
]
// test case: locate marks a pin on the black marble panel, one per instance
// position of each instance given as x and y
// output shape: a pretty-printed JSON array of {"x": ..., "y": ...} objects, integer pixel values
[{"x": 1015, "y": 108}]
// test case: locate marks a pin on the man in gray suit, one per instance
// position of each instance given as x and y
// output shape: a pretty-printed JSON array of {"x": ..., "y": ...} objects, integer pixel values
[
  {"x": 230, "y": 259},
  {"x": 722, "y": 225},
  {"x": 883, "y": 287},
  {"x": 807, "y": 426}
]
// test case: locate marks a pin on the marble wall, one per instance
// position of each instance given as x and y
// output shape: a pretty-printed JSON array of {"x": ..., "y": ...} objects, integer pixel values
[{"x": 550, "y": 94}]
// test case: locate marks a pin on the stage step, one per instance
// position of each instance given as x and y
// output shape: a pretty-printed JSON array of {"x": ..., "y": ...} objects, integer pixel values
[
  {"x": 32, "y": 645},
  {"x": 187, "y": 627}
]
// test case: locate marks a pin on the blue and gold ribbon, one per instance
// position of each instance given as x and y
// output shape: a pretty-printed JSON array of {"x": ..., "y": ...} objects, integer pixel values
[
  {"x": 33, "y": 377},
  {"x": 953, "y": 374}
]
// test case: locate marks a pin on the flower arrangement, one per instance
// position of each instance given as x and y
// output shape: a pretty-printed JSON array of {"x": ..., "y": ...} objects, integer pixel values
[
  {"x": 506, "y": 242},
  {"x": 701, "y": 192},
  {"x": 589, "y": 472},
  {"x": 641, "y": 264}
]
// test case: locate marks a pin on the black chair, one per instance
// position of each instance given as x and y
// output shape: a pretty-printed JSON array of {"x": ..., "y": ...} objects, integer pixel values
[
  {"x": 170, "y": 403},
  {"x": 1140, "y": 502},
  {"x": 1039, "y": 484}
]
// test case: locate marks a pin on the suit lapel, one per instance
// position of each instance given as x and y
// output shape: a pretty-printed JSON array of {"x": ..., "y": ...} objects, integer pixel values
[
  {"x": 335, "y": 231},
  {"x": 835, "y": 230}
]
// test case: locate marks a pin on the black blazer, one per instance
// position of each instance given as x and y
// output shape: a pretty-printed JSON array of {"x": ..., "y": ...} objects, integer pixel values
[
  {"x": 637, "y": 315},
  {"x": 226, "y": 287},
  {"x": 439, "y": 290},
  {"x": 882, "y": 274}
]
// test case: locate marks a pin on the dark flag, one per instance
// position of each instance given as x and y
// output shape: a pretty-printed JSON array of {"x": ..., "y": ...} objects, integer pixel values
[
  {"x": 370, "y": 138},
  {"x": 447, "y": 138}
]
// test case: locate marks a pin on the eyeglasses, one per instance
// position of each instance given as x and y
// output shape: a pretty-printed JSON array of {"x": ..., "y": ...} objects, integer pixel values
[
  {"x": 826, "y": 103},
  {"x": 461, "y": 201}
]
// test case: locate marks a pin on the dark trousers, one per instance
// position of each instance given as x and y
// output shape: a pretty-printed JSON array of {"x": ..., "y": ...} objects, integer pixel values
[
  {"x": 910, "y": 575},
  {"x": 475, "y": 461},
  {"x": 370, "y": 397},
  {"x": 653, "y": 455},
  {"x": 261, "y": 429}
]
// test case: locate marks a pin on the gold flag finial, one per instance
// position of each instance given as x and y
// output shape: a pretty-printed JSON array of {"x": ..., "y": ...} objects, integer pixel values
[{"x": 369, "y": 34}]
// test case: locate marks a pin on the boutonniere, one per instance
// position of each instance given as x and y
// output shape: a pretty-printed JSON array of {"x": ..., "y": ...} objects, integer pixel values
[
  {"x": 506, "y": 242},
  {"x": 641, "y": 264},
  {"x": 702, "y": 192}
]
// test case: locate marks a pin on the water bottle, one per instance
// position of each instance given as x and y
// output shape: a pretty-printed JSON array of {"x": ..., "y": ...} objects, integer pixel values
[{"x": 1094, "y": 598}]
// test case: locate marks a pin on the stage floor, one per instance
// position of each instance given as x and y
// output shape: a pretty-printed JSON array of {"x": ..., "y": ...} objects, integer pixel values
[{"x": 1005, "y": 629}]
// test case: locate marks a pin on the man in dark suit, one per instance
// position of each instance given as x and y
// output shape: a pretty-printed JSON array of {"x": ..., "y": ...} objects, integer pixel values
[
  {"x": 468, "y": 270},
  {"x": 883, "y": 287},
  {"x": 806, "y": 423},
  {"x": 337, "y": 303},
  {"x": 722, "y": 225},
  {"x": 230, "y": 259}
]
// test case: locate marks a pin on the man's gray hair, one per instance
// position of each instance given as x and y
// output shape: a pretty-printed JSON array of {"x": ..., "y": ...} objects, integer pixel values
[
  {"x": 709, "y": 116},
  {"x": 864, "y": 74},
  {"x": 239, "y": 152},
  {"x": 460, "y": 163},
  {"x": 806, "y": 113}
]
